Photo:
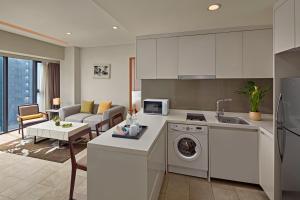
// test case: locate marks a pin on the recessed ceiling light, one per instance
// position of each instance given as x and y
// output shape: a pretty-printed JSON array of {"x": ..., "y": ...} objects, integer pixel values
[
  {"x": 68, "y": 33},
  {"x": 214, "y": 7},
  {"x": 115, "y": 27}
]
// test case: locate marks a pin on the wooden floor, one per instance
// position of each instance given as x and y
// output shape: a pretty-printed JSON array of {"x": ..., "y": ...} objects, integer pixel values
[{"x": 25, "y": 178}]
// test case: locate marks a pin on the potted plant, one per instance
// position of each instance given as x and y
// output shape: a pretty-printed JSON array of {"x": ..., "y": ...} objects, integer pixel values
[{"x": 255, "y": 95}]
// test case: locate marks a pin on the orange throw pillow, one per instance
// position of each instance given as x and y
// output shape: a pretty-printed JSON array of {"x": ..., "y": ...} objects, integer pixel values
[{"x": 104, "y": 106}]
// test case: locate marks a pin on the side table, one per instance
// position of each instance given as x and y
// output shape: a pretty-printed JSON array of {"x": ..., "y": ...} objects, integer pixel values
[{"x": 52, "y": 112}]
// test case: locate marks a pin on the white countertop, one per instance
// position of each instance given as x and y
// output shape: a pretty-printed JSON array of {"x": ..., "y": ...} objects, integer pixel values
[
  {"x": 141, "y": 146},
  {"x": 179, "y": 116},
  {"x": 156, "y": 122}
]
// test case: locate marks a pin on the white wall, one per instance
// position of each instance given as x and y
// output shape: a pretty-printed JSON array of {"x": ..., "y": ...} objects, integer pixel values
[
  {"x": 77, "y": 76},
  {"x": 117, "y": 87},
  {"x": 70, "y": 77}
]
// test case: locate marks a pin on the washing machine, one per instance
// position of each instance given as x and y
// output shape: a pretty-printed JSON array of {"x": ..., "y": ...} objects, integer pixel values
[{"x": 188, "y": 149}]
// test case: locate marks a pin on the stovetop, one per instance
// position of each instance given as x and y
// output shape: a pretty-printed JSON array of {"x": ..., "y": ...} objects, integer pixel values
[{"x": 195, "y": 117}]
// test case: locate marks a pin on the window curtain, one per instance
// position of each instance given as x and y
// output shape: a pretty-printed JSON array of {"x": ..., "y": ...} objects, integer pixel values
[
  {"x": 43, "y": 84},
  {"x": 53, "y": 82}
]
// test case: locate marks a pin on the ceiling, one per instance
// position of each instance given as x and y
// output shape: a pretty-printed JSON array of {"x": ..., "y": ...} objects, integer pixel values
[
  {"x": 91, "y": 21},
  {"x": 162, "y": 16},
  {"x": 89, "y": 24}
]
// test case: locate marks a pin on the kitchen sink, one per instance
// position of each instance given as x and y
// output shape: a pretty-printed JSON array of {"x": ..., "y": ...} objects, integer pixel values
[{"x": 231, "y": 120}]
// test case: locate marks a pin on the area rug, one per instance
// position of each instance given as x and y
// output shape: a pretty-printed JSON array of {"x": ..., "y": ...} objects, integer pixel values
[{"x": 45, "y": 150}]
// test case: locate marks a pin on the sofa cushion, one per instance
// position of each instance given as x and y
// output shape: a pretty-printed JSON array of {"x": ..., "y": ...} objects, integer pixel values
[
  {"x": 93, "y": 120},
  {"x": 29, "y": 117},
  {"x": 36, "y": 120},
  {"x": 87, "y": 107},
  {"x": 69, "y": 110},
  {"x": 104, "y": 106},
  {"x": 79, "y": 117}
]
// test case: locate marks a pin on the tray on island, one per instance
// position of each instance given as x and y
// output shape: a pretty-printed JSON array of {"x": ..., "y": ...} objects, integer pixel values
[{"x": 127, "y": 136}]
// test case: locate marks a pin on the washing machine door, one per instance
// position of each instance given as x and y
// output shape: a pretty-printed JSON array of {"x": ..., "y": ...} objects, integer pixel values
[{"x": 187, "y": 147}]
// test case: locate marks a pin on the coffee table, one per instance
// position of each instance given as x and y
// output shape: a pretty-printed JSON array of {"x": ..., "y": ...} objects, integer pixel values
[{"x": 50, "y": 130}]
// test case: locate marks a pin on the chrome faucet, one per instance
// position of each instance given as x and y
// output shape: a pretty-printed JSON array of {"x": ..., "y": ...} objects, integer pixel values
[{"x": 221, "y": 112}]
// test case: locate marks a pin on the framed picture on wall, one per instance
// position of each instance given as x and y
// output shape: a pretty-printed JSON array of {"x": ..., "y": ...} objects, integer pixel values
[{"x": 102, "y": 71}]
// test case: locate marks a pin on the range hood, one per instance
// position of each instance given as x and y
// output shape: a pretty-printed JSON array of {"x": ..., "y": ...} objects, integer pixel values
[{"x": 192, "y": 77}]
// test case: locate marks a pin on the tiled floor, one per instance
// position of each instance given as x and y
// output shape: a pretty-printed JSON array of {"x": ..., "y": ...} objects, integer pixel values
[
  {"x": 25, "y": 178},
  {"x": 179, "y": 187}
]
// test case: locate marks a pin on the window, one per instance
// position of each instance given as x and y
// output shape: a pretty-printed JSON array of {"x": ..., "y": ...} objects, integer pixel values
[
  {"x": 40, "y": 86},
  {"x": 20, "y": 87}
]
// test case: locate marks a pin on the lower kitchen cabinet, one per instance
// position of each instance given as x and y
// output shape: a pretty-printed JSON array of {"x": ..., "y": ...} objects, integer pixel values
[
  {"x": 234, "y": 154},
  {"x": 266, "y": 163}
]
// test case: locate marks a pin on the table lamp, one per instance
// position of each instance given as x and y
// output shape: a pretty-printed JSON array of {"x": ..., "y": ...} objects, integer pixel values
[{"x": 56, "y": 103}]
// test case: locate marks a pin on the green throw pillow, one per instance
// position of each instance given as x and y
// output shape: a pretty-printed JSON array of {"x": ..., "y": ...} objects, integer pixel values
[{"x": 87, "y": 107}]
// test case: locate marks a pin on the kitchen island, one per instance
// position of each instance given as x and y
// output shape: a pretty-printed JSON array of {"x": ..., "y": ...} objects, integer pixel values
[
  {"x": 134, "y": 169},
  {"x": 128, "y": 169}
]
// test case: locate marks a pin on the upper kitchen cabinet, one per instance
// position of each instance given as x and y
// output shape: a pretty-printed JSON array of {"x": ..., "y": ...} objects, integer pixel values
[
  {"x": 257, "y": 54},
  {"x": 229, "y": 55},
  {"x": 167, "y": 58},
  {"x": 284, "y": 25},
  {"x": 146, "y": 58},
  {"x": 197, "y": 55}
]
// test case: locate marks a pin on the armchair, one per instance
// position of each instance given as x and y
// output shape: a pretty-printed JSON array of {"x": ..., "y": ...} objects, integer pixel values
[{"x": 29, "y": 115}]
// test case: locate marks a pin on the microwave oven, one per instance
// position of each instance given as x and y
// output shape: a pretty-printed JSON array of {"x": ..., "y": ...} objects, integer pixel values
[{"x": 156, "y": 106}]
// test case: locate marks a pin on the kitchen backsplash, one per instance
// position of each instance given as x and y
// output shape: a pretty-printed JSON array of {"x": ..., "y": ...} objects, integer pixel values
[{"x": 203, "y": 94}]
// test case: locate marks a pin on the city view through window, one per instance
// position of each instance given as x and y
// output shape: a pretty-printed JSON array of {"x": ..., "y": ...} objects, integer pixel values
[
  {"x": 19, "y": 84},
  {"x": 19, "y": 87}
]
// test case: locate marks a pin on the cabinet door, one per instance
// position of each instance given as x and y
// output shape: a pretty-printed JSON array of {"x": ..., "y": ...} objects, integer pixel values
[
  {"x": 167, "y": 58},
  {"x": 234, "y": 154},
  {"x": 229, "y": 55},
  {"x": 197, "y": 55},
  {"x": 258, "y": 54},
  {"x": 297, "y": 22},
  {"x": 156, "y": 166},
  {"x": 284, "y": 26},
  {"x": 146, "y": 58},
  {"x": 266, "y": 163}
]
